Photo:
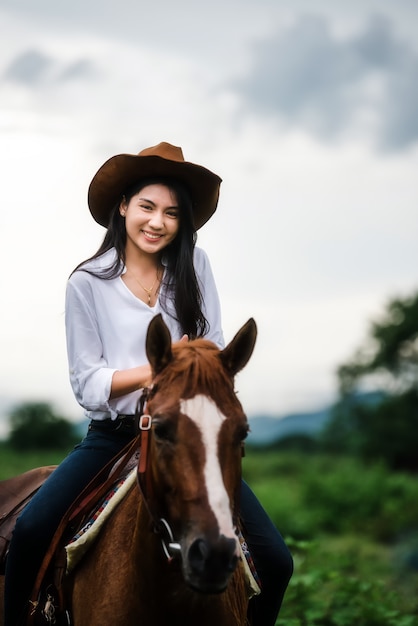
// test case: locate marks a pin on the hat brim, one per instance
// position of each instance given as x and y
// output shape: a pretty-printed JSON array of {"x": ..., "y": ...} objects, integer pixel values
[{"x": 123, "y": 170}]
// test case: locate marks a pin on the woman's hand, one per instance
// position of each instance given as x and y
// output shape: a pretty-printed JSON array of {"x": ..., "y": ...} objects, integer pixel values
[{"x": 126, "y": 381}]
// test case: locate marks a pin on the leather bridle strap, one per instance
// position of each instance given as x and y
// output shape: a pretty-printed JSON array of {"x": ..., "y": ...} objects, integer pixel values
[
  {"x": 145, "y": 422},
  {"x": 161, "y": 526},
  {"x": 144, "y": 429}
]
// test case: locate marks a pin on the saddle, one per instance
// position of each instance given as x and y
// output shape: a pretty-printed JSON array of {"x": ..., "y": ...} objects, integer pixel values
[
  {"x": 15, "y": 494},
  {"x": 47, "y": 602}
]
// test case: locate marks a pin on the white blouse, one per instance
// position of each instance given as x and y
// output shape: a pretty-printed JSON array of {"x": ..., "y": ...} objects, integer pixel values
[{"x": 106, "y": 327}]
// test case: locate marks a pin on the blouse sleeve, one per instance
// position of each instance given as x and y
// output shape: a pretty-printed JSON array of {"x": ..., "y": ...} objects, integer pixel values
[
  {"x": 211, "y": 305},
  {"x": 90, "y": 376}
]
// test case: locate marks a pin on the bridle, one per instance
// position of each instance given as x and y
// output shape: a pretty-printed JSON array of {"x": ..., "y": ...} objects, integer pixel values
[{"x": 171, "y": 548}]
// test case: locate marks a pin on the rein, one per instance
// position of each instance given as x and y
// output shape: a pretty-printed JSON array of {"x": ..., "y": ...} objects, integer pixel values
[{"x": 170, "y": 547}]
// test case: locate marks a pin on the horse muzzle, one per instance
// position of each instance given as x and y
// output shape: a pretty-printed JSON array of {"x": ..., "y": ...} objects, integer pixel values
[{"x": 208, "y": 565}]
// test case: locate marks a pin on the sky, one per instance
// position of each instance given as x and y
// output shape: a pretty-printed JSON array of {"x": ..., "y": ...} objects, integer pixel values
[{"x": 308, "y": 110}]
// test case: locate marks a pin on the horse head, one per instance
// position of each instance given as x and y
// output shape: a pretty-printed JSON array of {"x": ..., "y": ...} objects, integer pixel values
[{"x": 197, "y": 429}]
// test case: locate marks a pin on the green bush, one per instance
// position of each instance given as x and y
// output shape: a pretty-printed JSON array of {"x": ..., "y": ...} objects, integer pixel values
[
  {"x": 310, "y": 495},
  {"x": 369, "y": 500},
  {"x": 341, "y": 513},
  {"x": 328, "y": 593}
]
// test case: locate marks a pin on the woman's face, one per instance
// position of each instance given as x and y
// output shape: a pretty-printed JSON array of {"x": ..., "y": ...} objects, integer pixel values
[{"x": 151, "y": 218}]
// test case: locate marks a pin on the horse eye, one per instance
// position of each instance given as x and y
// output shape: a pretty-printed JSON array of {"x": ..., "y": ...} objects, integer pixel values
[
  {"x": 242, "y": 434},
  {"x": 163, "y": 430}
]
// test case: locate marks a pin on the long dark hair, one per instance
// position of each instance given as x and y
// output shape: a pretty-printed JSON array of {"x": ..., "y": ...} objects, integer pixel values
[{"x": 180, "y": 281}]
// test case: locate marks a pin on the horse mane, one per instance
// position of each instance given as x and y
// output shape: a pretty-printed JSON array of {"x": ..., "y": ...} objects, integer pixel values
[{"x": 205, "y": 372}]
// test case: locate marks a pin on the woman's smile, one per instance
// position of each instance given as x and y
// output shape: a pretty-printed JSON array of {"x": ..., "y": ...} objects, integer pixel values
[{"x": 151, "y": 236}]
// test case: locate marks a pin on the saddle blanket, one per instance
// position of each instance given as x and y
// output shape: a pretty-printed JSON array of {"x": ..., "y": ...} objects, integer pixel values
[{"x": 85, "y": 537}]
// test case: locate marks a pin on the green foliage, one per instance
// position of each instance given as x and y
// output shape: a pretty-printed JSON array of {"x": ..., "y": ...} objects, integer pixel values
[
  {"x": 368, "y": 500},
  {"x": 354, "y": 537},
  {"x": 329, "y": 592},
  {"x": 384, "y": 431},
  {"x": 396, "y": 337},
  {"x": 36, "y": 426},
  {"x": 390, "y": 431},
  {"x": 388, "y": 361},
  {"x": 307, "y": 496},
  {"x": 391, "y": 348}
]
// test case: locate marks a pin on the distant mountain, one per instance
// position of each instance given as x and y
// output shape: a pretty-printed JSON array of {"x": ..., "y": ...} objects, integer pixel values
[{"x": 268, "y": 429}]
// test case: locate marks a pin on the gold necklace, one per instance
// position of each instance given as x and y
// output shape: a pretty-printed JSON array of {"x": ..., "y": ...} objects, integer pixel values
[{"x": 151, "y": 289}]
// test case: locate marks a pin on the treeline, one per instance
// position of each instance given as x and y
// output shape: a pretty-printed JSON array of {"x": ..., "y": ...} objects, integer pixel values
[
  {"x": 386, "y": 428},
  {"x": 36, "y": 426},
  {"x": 376, "y": 416}
]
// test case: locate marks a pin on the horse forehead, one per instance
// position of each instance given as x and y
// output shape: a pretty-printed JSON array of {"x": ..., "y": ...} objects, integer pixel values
[{"x": 204, "y": 412}]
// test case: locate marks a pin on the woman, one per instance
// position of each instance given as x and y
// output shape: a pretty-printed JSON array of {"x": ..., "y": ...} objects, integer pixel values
[{"x": 151, "y": 205}]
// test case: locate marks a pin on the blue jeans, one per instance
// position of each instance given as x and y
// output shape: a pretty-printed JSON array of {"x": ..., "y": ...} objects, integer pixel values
[
  {"x": 39, "y": 520},
  {"x": 272, "y": 559}
]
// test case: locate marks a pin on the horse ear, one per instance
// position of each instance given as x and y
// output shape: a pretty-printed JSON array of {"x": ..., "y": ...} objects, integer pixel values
[
  {"x": 158, "y": 344},
  {"x": 238, "y": 352}
]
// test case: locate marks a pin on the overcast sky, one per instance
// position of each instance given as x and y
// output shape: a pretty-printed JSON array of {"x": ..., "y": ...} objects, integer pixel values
[{"x": 308, "y": 110}]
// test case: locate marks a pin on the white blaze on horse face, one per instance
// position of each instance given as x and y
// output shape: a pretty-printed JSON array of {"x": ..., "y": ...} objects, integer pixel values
[{"x": 208, "y": 418}]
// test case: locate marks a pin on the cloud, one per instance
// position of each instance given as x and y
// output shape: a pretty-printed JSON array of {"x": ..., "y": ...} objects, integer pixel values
[
  {"x": 332, "y": 86},
  {"x": 28, "y": 67},
  {"x": 33, "y": 68},
  {"x": 400, "y": 108}
]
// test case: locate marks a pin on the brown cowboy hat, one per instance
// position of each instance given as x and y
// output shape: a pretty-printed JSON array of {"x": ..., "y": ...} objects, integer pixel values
[{"x": 123, "y": 170}]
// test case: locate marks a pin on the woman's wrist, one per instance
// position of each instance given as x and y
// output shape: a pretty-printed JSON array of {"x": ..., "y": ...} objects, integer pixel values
[
  {"x": 126, "y": 381},
  {"x": 145, "y": 376}
]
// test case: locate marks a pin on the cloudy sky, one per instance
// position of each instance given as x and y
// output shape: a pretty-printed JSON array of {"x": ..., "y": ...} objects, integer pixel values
[{"x": 308, "y": 110}]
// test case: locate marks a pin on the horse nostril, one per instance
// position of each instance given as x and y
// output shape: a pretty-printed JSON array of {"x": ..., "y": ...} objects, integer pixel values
[
  {"x": 208, "y": 558},
  {"x": 198, "y": 554}
]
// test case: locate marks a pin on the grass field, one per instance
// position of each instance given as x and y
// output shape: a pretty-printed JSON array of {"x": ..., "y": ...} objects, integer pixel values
[
  {"x": 13, "y": 463},
  {"x": 353, "y": 532},
  {"x": 352, "y": 529}
]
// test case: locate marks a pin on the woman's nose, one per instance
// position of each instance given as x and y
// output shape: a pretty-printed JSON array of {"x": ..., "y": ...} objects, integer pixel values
[{"x": 156, "y": 219}]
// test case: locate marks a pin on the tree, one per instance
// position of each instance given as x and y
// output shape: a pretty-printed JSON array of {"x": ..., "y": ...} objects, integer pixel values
[
  {"x": 35, "y": 426},
  {"x": 390, "y": 353},
  {"x": 377, "y": 414}
]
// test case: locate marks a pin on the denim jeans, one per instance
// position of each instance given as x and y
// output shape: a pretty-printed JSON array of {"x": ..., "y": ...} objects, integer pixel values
[
  {"x": 39, "y": 520},
  {"x": 272, "y": 559}
]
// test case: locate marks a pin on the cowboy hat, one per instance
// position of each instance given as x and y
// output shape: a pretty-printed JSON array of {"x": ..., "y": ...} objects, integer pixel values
[{"x": 123, "y": 170}]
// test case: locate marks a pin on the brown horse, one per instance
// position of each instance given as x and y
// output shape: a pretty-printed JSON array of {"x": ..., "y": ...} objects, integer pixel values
[{"x": 169, "y": 554}]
